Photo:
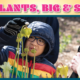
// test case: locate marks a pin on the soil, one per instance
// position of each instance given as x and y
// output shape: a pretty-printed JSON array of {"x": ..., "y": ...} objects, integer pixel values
[{"x": 69, "y": 25}]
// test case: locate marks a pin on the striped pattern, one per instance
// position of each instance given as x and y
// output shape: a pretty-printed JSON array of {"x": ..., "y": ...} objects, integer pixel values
[{"x": 40, "y": 69}]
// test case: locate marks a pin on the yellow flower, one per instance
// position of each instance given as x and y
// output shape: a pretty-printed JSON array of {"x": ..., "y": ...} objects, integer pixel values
[
  {"x": 26, "y": 32},
  {"x": 62, "y": 70},
  {"x": 6, "y": 69}
]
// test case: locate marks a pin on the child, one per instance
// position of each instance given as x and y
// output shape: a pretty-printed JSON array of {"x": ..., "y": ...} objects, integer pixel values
[
  {"x": 12, "y": 21},
  {"x": 42, "y": 38}
]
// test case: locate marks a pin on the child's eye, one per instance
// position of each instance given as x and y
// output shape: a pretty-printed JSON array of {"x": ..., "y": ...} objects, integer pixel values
[
  {"x": 40, "y": 40},
  {"x": 31, "y": 37}
]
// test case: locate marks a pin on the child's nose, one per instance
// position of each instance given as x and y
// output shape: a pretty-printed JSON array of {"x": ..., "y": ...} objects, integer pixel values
[{"x": 34, "y": 42}]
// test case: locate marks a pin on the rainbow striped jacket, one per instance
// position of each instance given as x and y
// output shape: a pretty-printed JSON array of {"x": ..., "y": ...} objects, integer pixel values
[{"x": 43, "y": 69}]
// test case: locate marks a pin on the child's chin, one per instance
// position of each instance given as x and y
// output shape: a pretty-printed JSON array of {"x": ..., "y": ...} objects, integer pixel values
[{"x": 31, "y": 54}]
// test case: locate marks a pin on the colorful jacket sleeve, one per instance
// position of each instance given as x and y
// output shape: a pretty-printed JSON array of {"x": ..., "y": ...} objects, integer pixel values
[
  {"x": 6, "y": 39},
  {"x": 3, "y": 55}
]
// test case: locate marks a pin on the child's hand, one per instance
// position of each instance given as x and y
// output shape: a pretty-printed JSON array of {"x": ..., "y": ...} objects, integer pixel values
[
  {"x": 14, "y": 26},
  {"x": 75, "y": 63}
]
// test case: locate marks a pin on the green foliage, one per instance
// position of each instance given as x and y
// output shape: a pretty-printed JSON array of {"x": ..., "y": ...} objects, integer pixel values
[
  {"x": 25, "y": 32},
  {"x": 78, "y": 41},
  {"x": 64, "y": 42},
  {"x": 33, "y": 51},
  {"x": 60, "y": 33},
  {"x": 78, "y": 31}
]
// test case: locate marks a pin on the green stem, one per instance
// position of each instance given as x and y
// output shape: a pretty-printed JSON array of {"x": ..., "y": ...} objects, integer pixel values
[
  {"x": 17, "y": 60},
  {"x": 25, "y": 71},
  {"x": 26, "y": 65},
  {"x": 22, "y": 58},
  {"x": 14, "y": 62},
  {"x": 33, "y": 65},
  {"x": 23, "y": 26},
  {"x": 22, "y": 66},
  {"x": 22, "y": 45}
]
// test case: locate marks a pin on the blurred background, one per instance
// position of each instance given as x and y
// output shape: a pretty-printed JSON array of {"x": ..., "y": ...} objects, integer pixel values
[{"x": 69, "y": 35}]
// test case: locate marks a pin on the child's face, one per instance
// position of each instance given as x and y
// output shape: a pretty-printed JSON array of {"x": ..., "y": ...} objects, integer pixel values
[{"x": 38, "y": 43}]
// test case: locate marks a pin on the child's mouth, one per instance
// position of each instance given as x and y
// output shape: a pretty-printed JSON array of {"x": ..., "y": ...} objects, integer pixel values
[{"x": 31, "y": 48}]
